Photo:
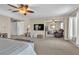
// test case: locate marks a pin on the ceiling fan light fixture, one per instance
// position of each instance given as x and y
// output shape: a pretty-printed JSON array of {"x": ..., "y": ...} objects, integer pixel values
[
  {"x": 22, "y": 9},
  {"x": 22, "y": 12}
]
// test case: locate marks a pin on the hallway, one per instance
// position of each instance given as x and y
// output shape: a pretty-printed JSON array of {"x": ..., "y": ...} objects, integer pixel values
[{"x": 55, "y": 46}]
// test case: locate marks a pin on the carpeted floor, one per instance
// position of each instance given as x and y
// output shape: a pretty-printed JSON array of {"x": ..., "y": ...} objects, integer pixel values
[
  {"x": 55, "y": 46},
  {"x": 13, "y": 47}
]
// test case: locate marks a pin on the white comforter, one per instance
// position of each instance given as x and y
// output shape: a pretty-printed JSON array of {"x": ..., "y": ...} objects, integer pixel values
[{"x": 13, "y": 47}]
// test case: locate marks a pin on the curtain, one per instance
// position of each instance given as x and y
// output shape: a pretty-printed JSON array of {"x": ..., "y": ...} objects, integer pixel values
[{"x": 72, "y": 32}]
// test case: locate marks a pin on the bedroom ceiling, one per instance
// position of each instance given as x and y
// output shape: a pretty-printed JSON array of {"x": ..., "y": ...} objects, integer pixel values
[{"x": 41, "y": 10}]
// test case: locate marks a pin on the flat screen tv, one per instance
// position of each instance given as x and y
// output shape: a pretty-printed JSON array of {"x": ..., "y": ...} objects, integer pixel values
[{"x": 38, "y": 26}]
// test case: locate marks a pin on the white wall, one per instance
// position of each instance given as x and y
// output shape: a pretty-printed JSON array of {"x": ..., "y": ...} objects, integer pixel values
[
  {"x": 37, "y": 21},
  {"x": 5, "y": 25},
  {"x": 13, "y": 28},
  {"x": 66, "y": 28},
  {"x": 31, "y": 22}
]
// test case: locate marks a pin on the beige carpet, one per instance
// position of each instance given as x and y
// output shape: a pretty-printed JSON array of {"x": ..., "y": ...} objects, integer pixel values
[{"x": 55, "y": 46}]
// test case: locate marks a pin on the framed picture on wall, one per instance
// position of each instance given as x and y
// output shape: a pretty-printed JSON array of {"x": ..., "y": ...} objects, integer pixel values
[{"x": 38, "y": 26}]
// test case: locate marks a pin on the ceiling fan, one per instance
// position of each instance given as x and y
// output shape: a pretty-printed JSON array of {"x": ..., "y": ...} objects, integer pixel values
[{"x": 23, "y": 9}]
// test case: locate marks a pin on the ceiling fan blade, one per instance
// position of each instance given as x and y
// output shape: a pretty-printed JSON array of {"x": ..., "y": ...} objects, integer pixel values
[
  {"x": 26, "y": 6},
  {"x": 12, "y": 6},
  {"x": 25, "y": 14},
  {"x": 21, "y": 5},
  {"x": 15, "y": 11},
  {"x": 30, "y": 11}
]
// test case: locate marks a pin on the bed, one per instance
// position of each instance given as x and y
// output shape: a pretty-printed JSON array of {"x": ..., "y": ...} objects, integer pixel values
[{"x": 14, "y": 47}]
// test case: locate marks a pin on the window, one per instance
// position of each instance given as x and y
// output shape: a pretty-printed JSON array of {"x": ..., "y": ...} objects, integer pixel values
[
  {"x": 62, "y": 25},
  {"x": 72, "y": 32},
  {"x": 20, "y": 28}
]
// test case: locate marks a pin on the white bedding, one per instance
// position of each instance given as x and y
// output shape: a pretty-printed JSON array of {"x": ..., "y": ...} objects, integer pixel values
[{"x": 13, "y": 47}]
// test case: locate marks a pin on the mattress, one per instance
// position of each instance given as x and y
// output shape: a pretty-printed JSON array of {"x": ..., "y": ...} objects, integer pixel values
[{"x": 8, "y": 46}]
